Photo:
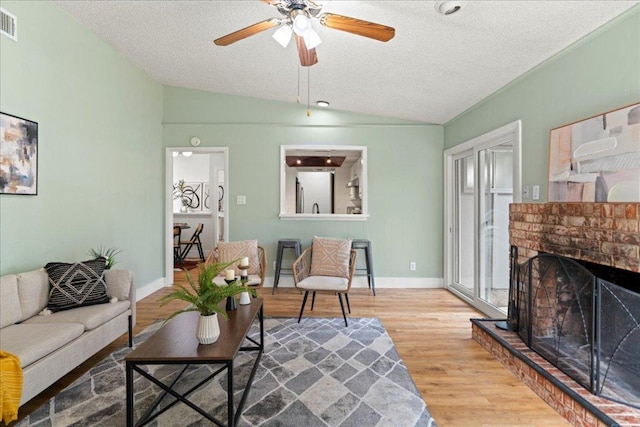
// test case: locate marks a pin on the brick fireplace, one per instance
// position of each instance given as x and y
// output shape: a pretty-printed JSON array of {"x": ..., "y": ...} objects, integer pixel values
[
  {"x": 602, "y": 233},
  {"x": 605, "y": 238}
]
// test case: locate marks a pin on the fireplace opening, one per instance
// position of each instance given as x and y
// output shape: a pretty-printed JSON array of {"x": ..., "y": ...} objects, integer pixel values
[
  {"x": 579, "y": 319},
  {"x": 627, "y": 279}
]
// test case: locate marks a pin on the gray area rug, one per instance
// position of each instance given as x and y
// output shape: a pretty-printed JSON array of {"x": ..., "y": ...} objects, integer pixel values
[{"x": 316, "y": 373}]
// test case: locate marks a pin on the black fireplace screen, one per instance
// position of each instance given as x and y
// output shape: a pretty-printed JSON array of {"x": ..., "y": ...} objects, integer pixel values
[
  {"x": 586, "y": 326},
  {"x": 619, "y": 344}
]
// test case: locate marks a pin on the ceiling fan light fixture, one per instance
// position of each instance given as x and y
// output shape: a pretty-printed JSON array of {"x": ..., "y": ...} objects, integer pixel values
[
  {"x": 323, "y": 104},
  {"x": 283, "y": 35},
  {"x": 448, "y": 7},
  {"x": 311, "y": 39},
  {"x": 301, "y": 23}
]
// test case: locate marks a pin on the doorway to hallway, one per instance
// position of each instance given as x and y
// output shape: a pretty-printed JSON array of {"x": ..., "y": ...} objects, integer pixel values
[{"x": 196, "y": 184}]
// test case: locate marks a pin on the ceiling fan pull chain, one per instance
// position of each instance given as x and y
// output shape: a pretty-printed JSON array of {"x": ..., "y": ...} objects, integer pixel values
[
  {"x": 298, "y": 98},
  {"x": 308, "y": 91}
]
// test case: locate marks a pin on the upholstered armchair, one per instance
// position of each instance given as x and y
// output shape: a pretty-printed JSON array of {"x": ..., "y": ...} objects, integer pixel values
[
  {"x": 329, "y": 270},
  {"x": 228, "y": 251}
]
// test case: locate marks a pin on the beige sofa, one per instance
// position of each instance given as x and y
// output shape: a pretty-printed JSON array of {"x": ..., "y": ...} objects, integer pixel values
[{"x": 50, "y": 346}]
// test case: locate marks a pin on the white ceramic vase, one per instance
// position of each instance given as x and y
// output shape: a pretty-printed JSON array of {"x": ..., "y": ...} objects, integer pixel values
[{"x": 208, "y": 329}]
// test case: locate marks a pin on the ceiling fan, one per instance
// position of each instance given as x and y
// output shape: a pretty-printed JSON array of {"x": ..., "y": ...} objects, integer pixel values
[{"x": 296, "y": 21}]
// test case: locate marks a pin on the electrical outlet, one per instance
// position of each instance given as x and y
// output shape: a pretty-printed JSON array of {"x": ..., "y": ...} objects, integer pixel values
[
  {"x": 525, "y": 192},
  {"x": 412, "y": 266},
  {"x": 241, "y": 200},
  {"x": 536, "y": 192}
]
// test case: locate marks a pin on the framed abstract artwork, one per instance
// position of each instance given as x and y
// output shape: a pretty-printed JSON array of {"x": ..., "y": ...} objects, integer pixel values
[
  {"x": 597, "y": 159},
  {"x": 18, "y": 155}
]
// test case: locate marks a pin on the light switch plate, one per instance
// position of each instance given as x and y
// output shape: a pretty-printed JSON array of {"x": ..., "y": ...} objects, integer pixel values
[
  {"x": 525, "y": 192},
  {"x": 536, "y": 192},
  {"x": 241, "y": 200}
]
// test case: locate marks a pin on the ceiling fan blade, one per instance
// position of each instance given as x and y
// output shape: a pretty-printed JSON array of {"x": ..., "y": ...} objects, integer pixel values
[
  {"x": 308, "y": 57},
  {"x": 248, "y": 31},
  {"x": 358, "y": 26}
]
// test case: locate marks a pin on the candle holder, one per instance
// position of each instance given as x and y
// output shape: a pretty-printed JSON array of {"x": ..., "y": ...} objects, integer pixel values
[
  {"x": 244, "y": 278},
  {"x": 243, "y": 271},
  {"x": 231, "y": 301}
]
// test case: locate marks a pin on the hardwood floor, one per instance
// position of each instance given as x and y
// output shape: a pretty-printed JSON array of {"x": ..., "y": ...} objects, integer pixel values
[{"x": 461, "y": 383}]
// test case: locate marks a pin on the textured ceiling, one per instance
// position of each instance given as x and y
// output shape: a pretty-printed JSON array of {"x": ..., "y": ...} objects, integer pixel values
[{"x": 435, "y": 68}]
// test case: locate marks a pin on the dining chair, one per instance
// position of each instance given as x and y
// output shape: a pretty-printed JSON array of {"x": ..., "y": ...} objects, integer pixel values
[
  {"x": 193, "y": 241},
  {"x": 326, "y": 267},
  {"x": 177, "y": 259}
]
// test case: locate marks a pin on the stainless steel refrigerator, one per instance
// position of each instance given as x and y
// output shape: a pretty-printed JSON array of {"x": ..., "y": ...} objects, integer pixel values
[{"x": 299, "y": 197}]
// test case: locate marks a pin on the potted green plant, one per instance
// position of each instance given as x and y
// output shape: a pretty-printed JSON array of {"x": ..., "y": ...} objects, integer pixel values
[
  {"x": 205, "y": 297},
  {"x": 108, "y": 253}
]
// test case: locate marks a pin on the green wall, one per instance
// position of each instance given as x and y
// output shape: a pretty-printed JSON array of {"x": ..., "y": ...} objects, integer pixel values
[
  {"x": 103, "y": 126},
  {"x": 600, "y": 72},
  {"x": 405, "y": 173},
  {"x": 100, "y": 164}
]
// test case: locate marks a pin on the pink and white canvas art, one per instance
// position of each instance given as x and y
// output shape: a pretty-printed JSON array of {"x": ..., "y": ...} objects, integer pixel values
[
  {"x": 597, "y": 159},
  {"x": 18, "y": 155}
]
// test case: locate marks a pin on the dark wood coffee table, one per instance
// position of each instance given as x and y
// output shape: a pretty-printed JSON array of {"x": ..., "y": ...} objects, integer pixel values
[{"x": 176, "y": 343}]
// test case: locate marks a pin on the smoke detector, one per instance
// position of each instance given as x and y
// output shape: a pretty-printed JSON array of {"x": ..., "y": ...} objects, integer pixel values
[{"x": 448, "y": 7}]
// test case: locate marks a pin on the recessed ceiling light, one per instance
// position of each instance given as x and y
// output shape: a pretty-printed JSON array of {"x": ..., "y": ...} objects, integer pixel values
[
  {"x": 322, "y": 103},
  {"x": 448, "y": 7}
]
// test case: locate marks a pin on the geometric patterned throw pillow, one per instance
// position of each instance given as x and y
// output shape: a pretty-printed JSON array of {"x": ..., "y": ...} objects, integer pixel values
[
  {"x": 229, "y": 251},
  {"x": 77, "y": 284},
  {"x": 330, "y": 257}
]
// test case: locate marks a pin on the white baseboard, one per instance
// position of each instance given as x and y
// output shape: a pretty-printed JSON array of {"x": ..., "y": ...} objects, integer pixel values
[
  {"x": 149, "y": 288},
  {"x": 359, "y": 282},
  {"x": 381, "y": 282}
]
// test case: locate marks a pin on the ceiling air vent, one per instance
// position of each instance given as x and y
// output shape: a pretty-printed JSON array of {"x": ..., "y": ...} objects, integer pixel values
[{"x": 8, "y": 25}]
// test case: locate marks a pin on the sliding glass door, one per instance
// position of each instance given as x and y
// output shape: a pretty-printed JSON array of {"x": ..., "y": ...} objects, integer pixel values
[
  {"x": 496, "y": 186},
  {"x": 481, "y": 175},
  {"x": 463, "y": 225}
]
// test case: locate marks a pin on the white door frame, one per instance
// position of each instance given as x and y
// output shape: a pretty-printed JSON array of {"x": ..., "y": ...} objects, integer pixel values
[
  {"x": 168, "y": 200},
  {"x": 512, "y": 130}
]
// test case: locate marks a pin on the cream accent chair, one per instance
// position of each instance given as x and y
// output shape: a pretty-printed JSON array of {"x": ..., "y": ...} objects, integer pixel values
[
  {"x": 306, "y": 282},
  {"x": 255, "y": 280}
]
